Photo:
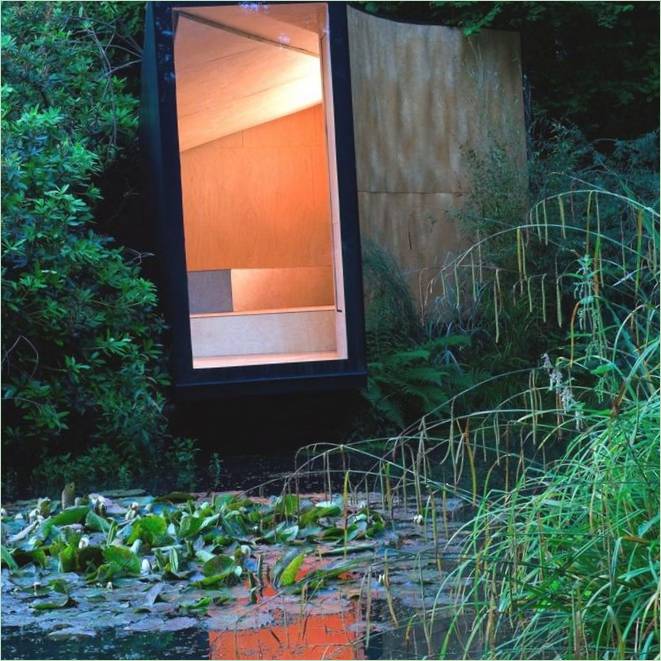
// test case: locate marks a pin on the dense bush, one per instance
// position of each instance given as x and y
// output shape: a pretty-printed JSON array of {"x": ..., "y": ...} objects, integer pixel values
[{"x": 82, "y": 365}]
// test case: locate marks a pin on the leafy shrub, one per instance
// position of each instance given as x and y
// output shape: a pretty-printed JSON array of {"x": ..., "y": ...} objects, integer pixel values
[
  {"x": 180, "y": 459},
  {"x": 561, "y": 557},
  {"x": 82, "y": 365},
  {"x": 515, "y": 317},
  {"x": 391, "y": 318},
  {"x": 410, "y": 370}
]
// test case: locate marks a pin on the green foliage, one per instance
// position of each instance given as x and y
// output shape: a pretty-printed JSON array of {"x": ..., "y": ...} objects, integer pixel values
[
  {"x": 215, "y": 470},
  {"x": 413, "y": 363},
  {"x": 211, "y": 544},
  {"x": 516, "y": 315},
  {"x": 97, "y": 466},
  {"x": 570, "y": 551},
  {"x": 180, "y": 459},
  {"x": 595, "y": 64},
  {"x": 391, "y": 318},
  {"x": 82, "y": 365},
  {"x": 561, "y": 557},
  {"x": 406, "y": 384}
]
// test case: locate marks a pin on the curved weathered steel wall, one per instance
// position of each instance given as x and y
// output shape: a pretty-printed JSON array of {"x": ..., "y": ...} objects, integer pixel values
[{"x": 423, "y": 95}]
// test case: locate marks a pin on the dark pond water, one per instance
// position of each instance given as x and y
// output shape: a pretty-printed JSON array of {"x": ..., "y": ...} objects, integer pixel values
[{"x": 360, "y": 616}]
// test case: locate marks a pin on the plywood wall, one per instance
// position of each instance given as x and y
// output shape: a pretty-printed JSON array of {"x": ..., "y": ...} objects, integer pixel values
[
  {"x": 259, "y": 198},
  {"x": 423, "y": 96}
]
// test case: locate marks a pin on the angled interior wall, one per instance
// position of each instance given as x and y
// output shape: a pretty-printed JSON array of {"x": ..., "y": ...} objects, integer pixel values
[
  {"x": 422, "y": 97},
  {"x": 258, "y": 198}
]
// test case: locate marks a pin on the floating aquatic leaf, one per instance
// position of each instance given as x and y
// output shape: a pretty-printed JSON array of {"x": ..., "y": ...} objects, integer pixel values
[
  {"x": 7, "y": 559},
  {"x": 60, "y": 585},
  {"x": 201, "y": 604},
  {"x": 317, "y": 578},
  {"x": 175, "y": 497},
  {"x": 233, "y": 525},
  {"x": 356, "y": 548},
  {"x": 310, "y": 532},
  {"x": 69, "y": 516},
  {"x": 65, "y": 602},
  {"x": 281, "y": 534},
  {"x": 332, "y": 533},
  {"x": 319, "y": 511},
  {"x": 285, "y": 570},
  {"x": 219, "y": 565},
  {"x": 36, "y": 556},
  {"x": 119, "y": 561},
  {"x": 151, "y": 529},
  {"x": 189, "y": 526},
  {"x": 67, "y": 558},
  {"x": 95, "y": 522},
  {"x": 204, "y": 555}
]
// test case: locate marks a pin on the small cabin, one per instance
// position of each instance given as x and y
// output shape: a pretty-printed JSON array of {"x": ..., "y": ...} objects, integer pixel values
[{"x": 252, "y": 127}]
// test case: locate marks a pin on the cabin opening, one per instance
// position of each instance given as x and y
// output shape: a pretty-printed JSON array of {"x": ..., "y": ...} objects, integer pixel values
[{"x": 259, "y": 184}]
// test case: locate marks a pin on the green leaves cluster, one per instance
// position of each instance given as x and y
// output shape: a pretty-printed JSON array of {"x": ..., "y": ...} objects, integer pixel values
[
  {"x": 210, "y": 544},
  {"x": 82, "y": 364},
  {"x": 408, "y": 383}
]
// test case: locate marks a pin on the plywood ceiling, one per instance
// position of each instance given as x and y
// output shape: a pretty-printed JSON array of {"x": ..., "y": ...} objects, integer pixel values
[{"x": 238, "y": 67}]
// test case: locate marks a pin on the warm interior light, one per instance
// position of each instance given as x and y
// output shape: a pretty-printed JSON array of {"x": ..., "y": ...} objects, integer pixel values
[{"x": 256, "y": 184}]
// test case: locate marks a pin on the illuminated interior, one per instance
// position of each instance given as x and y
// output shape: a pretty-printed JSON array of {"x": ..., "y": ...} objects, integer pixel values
[{"x": 258, "y": 175}]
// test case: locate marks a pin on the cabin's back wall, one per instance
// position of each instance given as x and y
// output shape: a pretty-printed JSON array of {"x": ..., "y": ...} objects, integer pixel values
[{"x": 259, "y": 198}]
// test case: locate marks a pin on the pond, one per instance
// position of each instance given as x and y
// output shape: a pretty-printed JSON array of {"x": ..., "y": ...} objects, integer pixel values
[{"x": 325, "y": 577}]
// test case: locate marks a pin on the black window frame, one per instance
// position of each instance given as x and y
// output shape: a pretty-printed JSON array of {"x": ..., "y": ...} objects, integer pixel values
[{"x": 160, "y": 135}]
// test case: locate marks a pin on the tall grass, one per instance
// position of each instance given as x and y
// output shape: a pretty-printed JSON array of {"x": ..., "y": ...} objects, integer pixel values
[
  {"x": 560, "y": 558},
  {"x": 564, "y": 561}
]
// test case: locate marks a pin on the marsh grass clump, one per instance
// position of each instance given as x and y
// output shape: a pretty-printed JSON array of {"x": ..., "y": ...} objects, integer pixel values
[
  {"x": 565, "y": 561},
  {"x": 560, "y": 555}
]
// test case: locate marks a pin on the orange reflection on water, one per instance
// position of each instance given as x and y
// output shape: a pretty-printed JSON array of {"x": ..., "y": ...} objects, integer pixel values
[{"x": 316, "y": 636}]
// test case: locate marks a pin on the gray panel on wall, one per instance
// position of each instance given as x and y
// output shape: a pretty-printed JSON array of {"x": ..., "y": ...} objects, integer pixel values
[{"x": 209, "y": 291}]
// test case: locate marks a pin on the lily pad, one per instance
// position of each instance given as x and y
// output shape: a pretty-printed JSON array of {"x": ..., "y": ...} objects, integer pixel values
[{"x": 65, "y": 602}]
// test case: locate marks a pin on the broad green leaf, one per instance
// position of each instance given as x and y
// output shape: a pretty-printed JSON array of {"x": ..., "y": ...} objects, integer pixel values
[
  {"x": 151, "y": 529},
  {"x": 67, "y": 559},
  {"x": 289, "y": 566},
  {"x": 97, "y": 523},
  {"x": 189, "y": 526},
  {"x": 36, "y": 556},
  {"x": 219, "y": 565},
  {"x": 69, "y": 516},
  {"x": 126, "y": 561},
  {"x": 65, "y": 602},
  {"x": 7, "y": 559}
]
